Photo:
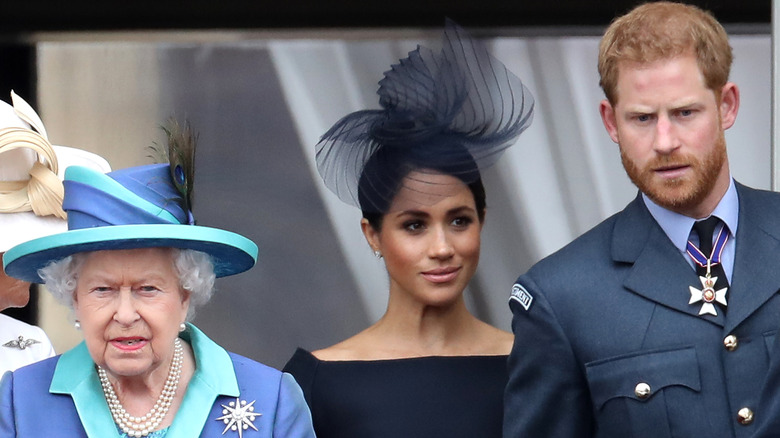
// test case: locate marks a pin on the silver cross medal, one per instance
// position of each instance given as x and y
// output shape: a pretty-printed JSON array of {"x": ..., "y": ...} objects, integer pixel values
[{"x": 708, "y": 294}]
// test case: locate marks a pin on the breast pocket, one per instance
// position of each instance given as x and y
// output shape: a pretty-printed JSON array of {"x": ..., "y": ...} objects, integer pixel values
[{"x": 634, "y": 394}]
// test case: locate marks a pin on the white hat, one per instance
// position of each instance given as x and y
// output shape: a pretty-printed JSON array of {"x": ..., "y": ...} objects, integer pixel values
[{"x": 20, "y": 150}]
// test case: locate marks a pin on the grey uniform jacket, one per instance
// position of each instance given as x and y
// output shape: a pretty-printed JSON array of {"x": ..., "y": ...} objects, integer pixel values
[{"x": 606, "y": 344}]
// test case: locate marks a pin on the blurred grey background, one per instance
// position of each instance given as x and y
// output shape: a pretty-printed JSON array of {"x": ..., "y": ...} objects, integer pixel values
[{"x": 260, "y": 99}]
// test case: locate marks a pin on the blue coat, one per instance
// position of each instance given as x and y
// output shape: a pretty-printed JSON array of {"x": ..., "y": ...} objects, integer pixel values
[
  {"x": 62, "y": 397},
  {"x": 610, "y": 312},
  {"x": 768, "y": 424}
]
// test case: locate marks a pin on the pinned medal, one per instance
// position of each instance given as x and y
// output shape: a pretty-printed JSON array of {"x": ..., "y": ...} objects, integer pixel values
[
  {"x": 21, "y": 343},
  {"x": 238, "y": 416},
  {"x": 708, "y": 295}
]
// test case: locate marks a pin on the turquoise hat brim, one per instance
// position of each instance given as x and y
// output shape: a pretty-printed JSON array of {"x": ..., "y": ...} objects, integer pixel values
[{"x": 230, "y": 252}]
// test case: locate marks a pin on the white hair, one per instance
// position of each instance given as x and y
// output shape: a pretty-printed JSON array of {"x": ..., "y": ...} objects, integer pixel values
[{"x": 194, "y": 268}]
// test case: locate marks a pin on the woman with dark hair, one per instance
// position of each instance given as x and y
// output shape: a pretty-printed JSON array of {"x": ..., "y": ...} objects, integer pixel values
[{"x": 428, "y": 367}]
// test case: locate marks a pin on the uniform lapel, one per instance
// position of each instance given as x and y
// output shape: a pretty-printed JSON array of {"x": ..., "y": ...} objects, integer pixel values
[
  {"x": 756, "y": 276},
  {"x": 659, "y": 271}
]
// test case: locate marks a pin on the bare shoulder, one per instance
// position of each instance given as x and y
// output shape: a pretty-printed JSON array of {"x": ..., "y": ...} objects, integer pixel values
[
  {"x": 495, "y": 340},
  {"x": 354, "y": 348}
]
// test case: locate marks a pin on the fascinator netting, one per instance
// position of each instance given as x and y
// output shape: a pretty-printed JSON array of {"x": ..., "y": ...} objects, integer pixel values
[{"x": 454, "y": 111}]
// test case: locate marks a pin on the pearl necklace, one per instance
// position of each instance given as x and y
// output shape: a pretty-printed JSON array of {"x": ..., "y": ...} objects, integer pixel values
[{"x": 144, "y": 425}]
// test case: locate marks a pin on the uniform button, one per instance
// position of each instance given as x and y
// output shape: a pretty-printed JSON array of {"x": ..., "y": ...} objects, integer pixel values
[
  {"x": 730, "y": 342},
  {"x": 642, "y": 390},
  {"x": 745, "y": 416}
]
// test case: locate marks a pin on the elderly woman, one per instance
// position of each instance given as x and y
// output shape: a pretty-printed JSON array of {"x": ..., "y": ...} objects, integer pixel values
[
  {"x": 428, "y": 367},
  {"x": 133, "y": 267}
]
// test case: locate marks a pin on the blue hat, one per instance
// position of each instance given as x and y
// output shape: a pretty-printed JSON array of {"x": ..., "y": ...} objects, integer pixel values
[{"x": 137, "y": 207}]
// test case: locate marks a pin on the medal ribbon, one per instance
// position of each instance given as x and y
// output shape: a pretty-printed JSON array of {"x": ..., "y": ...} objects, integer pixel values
[{"x": 717, "y": 250}]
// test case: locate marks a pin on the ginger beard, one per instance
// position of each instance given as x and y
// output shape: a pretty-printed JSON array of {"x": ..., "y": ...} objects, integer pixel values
[{"x": 679, "y": 193}]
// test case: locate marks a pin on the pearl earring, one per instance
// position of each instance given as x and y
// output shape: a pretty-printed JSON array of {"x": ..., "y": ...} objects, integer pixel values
[
  {"x": 182, "y": 327},
  {"x": 77, "y": 325}
]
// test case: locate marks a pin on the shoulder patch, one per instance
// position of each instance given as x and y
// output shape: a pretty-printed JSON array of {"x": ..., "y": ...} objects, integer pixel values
[{"x": 522, "y": 296}]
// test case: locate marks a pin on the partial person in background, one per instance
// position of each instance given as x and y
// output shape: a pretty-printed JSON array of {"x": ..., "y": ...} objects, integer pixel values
[
  {"x": 659, "y": 321},
  {"x": 133, "y": 267},
  {"x": 31, "y": 170},
  {"x": 428, "y": 367}
]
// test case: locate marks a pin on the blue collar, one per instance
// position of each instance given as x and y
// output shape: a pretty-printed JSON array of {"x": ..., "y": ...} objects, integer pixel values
[
  {"x": 76, "y": 376},
  {"x": 678, "y": 227}
]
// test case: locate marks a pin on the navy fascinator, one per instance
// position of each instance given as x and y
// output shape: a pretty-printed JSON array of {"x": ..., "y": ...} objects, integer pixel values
[{"x": 452, "y": 112}]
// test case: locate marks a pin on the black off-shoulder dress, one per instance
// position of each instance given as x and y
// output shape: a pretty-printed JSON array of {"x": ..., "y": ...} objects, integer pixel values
[{"x": 426, "y": 397}]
